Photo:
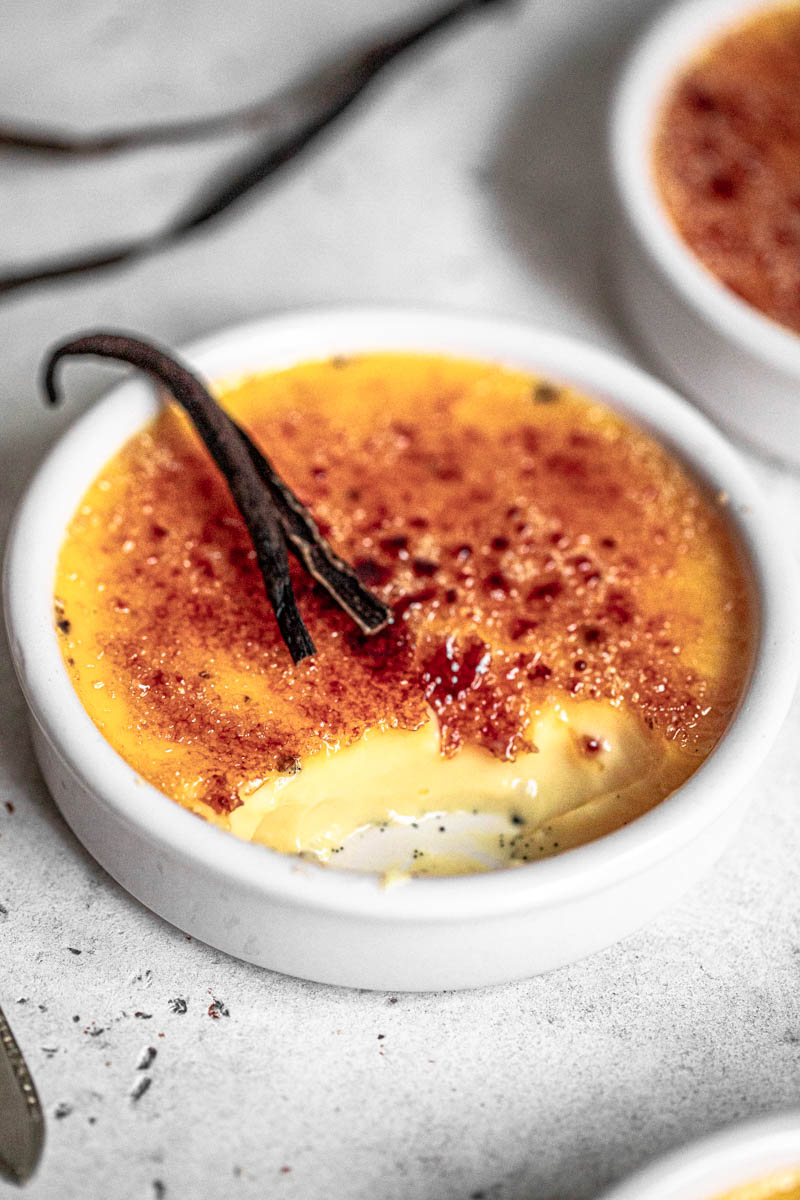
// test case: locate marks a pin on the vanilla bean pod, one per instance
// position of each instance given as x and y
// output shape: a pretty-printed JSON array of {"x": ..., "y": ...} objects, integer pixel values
[
  {"x": 276, "y": 520},
  {"x": 319, "y": 559},
  {"x": 225, "y": 447},
  {"x": 275, "y": 111},
  {"x": 301, "y": 115}
]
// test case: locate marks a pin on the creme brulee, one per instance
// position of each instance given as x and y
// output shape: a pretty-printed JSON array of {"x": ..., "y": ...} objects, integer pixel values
[
  {"x": 782, "y": 1185},
  {"x": 727, "y": 149},
  {"x": 571, "y": 625}
]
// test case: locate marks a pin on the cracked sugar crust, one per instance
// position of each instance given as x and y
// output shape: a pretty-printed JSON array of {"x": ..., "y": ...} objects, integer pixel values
[{"x": 533, "y": 545}]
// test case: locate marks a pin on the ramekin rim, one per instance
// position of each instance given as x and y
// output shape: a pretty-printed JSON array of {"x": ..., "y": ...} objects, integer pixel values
[{"x": 728, "y": 1158}]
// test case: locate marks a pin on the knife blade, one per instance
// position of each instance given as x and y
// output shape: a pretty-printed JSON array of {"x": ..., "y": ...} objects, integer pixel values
[{"x": 21, "y": 1118}]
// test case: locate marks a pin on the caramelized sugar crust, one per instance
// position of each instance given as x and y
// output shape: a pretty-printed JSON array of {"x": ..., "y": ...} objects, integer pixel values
[
  {"x": 726, "y": 158},
  {"x": 534, "y": 547}
]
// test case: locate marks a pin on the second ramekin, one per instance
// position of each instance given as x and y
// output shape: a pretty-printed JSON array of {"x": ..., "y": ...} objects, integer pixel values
[{"x": 741, "y": 366}]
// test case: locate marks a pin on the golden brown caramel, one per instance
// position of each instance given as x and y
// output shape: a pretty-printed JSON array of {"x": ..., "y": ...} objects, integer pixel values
[
  {"x": 726, "y": 155},
  {"x": 534, "y": 546}
]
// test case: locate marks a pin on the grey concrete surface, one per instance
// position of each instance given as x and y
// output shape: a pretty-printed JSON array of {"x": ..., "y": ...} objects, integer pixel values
[{"x": 472, "y": 177}]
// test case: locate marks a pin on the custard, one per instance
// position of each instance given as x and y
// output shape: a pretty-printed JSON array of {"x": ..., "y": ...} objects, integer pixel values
[
  {"x": 571, "y": 625},
  {"x": 783, "y": 1185},
  {"x": 727, "y": 149}
]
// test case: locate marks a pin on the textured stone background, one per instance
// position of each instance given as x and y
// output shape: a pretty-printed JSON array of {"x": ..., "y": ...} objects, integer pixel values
[{"x": 471, "y": 177}]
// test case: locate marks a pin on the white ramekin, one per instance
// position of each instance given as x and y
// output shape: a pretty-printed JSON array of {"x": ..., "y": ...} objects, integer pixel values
[
  {"x": 707, "y": 1169},
  {"x": 743, "y": 367},
  {"x": 345, "y": 928}
]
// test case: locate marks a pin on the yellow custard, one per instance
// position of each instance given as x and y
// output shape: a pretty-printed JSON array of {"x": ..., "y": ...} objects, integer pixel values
[
  {"x": 783, "y": 1185},
  {"x": 571, "y": 616}
]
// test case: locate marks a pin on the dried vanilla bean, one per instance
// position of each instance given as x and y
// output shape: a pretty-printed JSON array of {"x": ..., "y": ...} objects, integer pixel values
[
  {"x": 276, "y": 520},
  {"x": 225, "y": 447},
  {"x": 299, "y": 117}
]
